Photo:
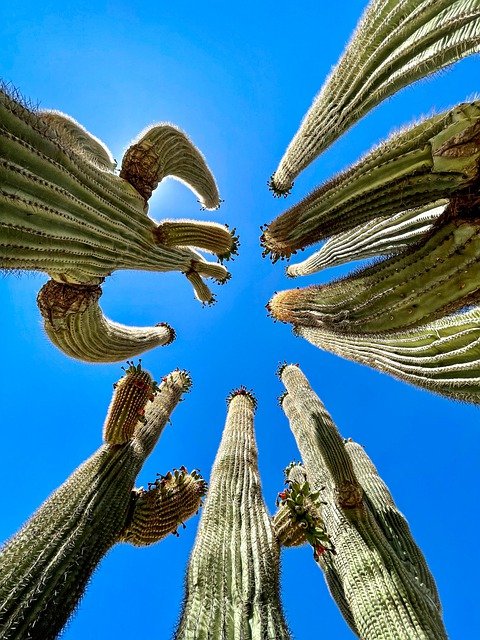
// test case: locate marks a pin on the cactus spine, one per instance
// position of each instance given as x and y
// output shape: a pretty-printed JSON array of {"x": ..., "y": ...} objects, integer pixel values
[
  {"x": 378, "y": 575},
  {"x": 394, "y": 45},
  {"x": 66, "y": 212},
  {"x": 45, "y": 567},
  {"x": 232, "y": 586}
]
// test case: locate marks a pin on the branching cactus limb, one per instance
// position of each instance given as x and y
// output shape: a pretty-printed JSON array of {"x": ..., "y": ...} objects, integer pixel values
[
  {"x": 383, "y": 236},
  {"x": 232, "y": 586},
  {"x": 442, "y": 356},
  {"x": 435, "y": 159},
  {"x": 434, "y": 277},
  {"x": 394, "y": 45},
  {"x": 45, "y": 567},
  {"x": 379, "y": 582},
  {"x": 75, "y": 324}
]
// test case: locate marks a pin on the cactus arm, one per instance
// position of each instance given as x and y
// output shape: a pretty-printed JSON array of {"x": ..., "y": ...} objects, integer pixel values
[
  {"x": 438, "y": 275},
  {"x": 68, "y": 214},
  {"x": 442, "y": 356},
  {"x": 384, "y": 598},
  {"x": 232, "y": 586},
  {"x": 434, "y": 159},
  {"x": 392, "y": 522},
  {"x": 382, "y": 236},
  {"x": 392, "y": 47},
  {"x": 208, "y": 236},
  {"x": 164, "y": 150},
  {"x": 45, "y": 567},
  {"x": 75, "y": 324}
]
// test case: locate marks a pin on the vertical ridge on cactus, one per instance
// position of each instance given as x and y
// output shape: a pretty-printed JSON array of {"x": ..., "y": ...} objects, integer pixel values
[
  {"x": 383, "y": 584},
  {"x": 45, "y": 567},
  {"x": 392, "y": 47},
  {"x": 232, "y": 585}
]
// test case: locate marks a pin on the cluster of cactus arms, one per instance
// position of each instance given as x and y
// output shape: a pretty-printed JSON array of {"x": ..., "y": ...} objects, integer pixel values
[
  {"x": 45, "y": 567},
  {"x": 374, "y": 569},
  {"x": 395, "y": 44},
  {"x": 232, "y": 585},
  {"x": 414, "y": 199},
  {"x": 67, "y": 212}
]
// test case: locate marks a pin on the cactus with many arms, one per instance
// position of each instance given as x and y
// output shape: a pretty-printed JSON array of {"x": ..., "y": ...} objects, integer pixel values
[
  {"x": 235, "y": 539},
  {"x": 65, "y": 211},
  {"x": 395, "y": 44},
  {"x": 378, "y": 576},
  {"x": 45, "y": 567}
]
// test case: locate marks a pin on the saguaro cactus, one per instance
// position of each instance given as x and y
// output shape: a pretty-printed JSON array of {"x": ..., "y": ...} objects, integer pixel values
[
  {"x": 66, "y": 212},
  {"x": 232, "y": 586},
  {"x": 394, "y": 45},
  {"x": 45, "y": 567},
  {"x": 378, "y": 575}
]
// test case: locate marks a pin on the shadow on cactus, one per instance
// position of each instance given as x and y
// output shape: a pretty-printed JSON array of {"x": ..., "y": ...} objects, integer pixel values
[
  {"x": 45, "y": 567},
  {"x": 67, "y": 212},
  {"x": 414, "y": 199}
]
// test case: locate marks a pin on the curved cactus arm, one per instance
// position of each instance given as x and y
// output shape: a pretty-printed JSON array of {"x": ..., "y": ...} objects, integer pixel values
[
  {"x": 164, "y": 150},
  {"x": 442, "y": 356},
  {"x": 379, "y": 237},
  {"x": 64, "y": 211},
  {"x": 232, "y": 585},
  {"x": 392, "y": 522},
  {"x": 379, "y": 590},
  {"x": 393, "y": 46},
  {"x": 74, "y": 322},
  {"x": 435, "y": 159},
  {"x": 438, "y": 275},
  {"x": 45, "y": 567},
  {"x": 167, "y": 503}
]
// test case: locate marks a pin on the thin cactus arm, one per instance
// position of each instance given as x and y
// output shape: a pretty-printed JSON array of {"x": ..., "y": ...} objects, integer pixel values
[
  {"x": 379, "y": 237},
  {"x": 75, "y": 323},
  {"x": 164, "y": 150},
  {"x": 442, "y": 356},
  {"x": 232, "y": 584},
  {"x": 66, "y": 212},
  {"x": 392, "y": 522},
  {"x": 45, "y": 567},
  {"x": 368, "y": 574},
  {"x": 392, "y": 47},
  {"x": 434, "y": 159},
  {"x": 436, "y": 276}
]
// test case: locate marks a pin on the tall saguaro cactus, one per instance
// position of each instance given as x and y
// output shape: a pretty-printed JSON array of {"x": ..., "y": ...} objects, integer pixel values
[
  {"x": 232, "y": 586},
  {"x": 378, "y": 575},
  {"x": 394, "y": 44},
  {"x": 65, "y": 211},
  {"x": 45, "y": 567}
]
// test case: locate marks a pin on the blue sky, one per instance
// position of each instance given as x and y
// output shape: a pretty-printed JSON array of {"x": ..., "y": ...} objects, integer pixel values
[{"x": 238, "y": 79}]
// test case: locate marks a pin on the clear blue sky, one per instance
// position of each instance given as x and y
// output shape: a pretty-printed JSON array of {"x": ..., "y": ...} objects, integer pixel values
[{"x": 238, "y": 78}]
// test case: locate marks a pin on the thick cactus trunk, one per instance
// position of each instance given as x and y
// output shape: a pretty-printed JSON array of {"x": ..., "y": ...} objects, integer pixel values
[
  {"x": 378, "y": 575},
  {"x": 45, "y": 567},
  {"x": 232, "y": 587}
]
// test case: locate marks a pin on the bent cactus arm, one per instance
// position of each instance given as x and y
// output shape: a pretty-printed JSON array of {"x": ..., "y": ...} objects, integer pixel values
[
  {"x": 45, "y": 567},
  {"x": 394, "y": 45}
]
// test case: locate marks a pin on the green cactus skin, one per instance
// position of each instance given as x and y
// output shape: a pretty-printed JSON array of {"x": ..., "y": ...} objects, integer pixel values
[
  {"x": 232, "y": 585},
  {"x": 394, "y": 44},
  {"x": 435, "y": 159},
  {"x": 378, "y": 576},
  {"x": 75, "y": 324},
  {"x": 45, "y": 567},
  {"x": 437, "y": 276},
  {"x": 379, "y": 237},
  {"x": 442, "y": 356}
]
